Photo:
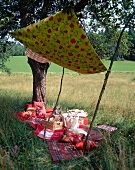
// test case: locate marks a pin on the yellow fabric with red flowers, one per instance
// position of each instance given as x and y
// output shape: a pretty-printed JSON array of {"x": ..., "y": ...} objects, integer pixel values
[{"x": 61, "y": 39}]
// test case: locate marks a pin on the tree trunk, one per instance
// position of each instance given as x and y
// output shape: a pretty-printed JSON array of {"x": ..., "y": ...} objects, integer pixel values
[{"x": 39, "y": 71}]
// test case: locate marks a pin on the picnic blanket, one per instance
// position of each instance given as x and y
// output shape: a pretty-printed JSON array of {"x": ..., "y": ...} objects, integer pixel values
[
  {"x": 61, "y": 39},
  {"x": 107, "y": 128},
  {"x": 36, "y": 123},
  {"x": 50, "y": 134},
  {"x": 62, "y": 151}
]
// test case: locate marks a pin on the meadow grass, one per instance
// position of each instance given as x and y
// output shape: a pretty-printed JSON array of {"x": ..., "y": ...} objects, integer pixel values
[
  {"x": 117, "y": 109},
  {"x": 78, "y": 91}
]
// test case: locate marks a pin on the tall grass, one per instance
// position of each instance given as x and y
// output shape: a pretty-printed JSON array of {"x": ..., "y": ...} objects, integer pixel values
[{"x": 79, "y": 91}]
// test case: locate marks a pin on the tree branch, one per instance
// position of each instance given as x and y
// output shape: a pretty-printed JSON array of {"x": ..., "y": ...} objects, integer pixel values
[
  {"x": 80, "y": 5},
  {"x": 43, "y": 13}
]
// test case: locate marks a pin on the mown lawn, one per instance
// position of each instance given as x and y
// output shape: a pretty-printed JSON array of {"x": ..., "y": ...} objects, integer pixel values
[
  {"x": 121, "y": 65},
  {"x": 19, "y": 64}
]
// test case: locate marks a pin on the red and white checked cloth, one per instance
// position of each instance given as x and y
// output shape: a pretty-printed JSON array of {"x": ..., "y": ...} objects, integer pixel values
[
  {"x": 107, "y": 128},
  {"x": 39, "y": 129},
  {"x": 35, "y": 56},
  {"x": 50, "y": 134}
]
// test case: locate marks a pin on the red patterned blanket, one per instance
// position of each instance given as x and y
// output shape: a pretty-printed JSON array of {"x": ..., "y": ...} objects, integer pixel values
[{"x": 62, "y": 151}]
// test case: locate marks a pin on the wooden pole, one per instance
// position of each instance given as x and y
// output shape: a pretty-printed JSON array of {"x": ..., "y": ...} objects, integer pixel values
[
  {"x": 55, "y": 103},
  {"x": 105, "y": 83}
]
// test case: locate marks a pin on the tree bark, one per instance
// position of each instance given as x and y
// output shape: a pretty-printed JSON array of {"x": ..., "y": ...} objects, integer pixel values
[{"x": 39, "y": 72}]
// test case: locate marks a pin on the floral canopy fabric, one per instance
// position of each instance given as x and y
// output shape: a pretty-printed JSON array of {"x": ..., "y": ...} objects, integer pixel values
[{"x": 61, "y": 39}]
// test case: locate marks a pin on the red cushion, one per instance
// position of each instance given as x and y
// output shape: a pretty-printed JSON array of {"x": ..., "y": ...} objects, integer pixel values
[
  {"x": 48, "y": 112},
  {"x": 90, "y": 145},
  {"x": 40, "y": 109},
  {"x": 72, "y": 137},
  {"x": 79, "y": 145}
]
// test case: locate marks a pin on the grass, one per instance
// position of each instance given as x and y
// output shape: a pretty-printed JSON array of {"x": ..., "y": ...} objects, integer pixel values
[
  {"x": 117, "y": 109},
  {"x": 125, "y": 65},
  {"x": 19, "y": 64}
]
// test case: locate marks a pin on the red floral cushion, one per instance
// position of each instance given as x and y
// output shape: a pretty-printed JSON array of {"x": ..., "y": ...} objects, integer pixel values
[
  {"x": 90, "y": 145},
  {"x": 40, "y": 109},
  {"x": 72, "y": 137},
  {"x": 48, "y": 112}
]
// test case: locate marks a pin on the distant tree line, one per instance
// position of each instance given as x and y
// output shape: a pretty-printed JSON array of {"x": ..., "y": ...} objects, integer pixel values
[
  {"x": 17, "y": 50},
  {"x": 103, "y": 42}
]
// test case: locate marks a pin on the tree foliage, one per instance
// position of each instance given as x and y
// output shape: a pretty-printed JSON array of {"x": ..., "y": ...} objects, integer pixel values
[
  {"x": 106, "y": 15},
  {"x": 132, "y": 49},
  {"x": 4, "y": 54},
  {"x": 16, "y": 14},
  {"x": 110, "y": 14},
  {"x": 17, "y": 50},
  {"x": 105, "y": 44},
  {"x": 107, "y": 18}
]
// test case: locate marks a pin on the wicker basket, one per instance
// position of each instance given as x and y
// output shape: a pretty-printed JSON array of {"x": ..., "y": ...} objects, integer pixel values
[{"x": 53, "y": 125}]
